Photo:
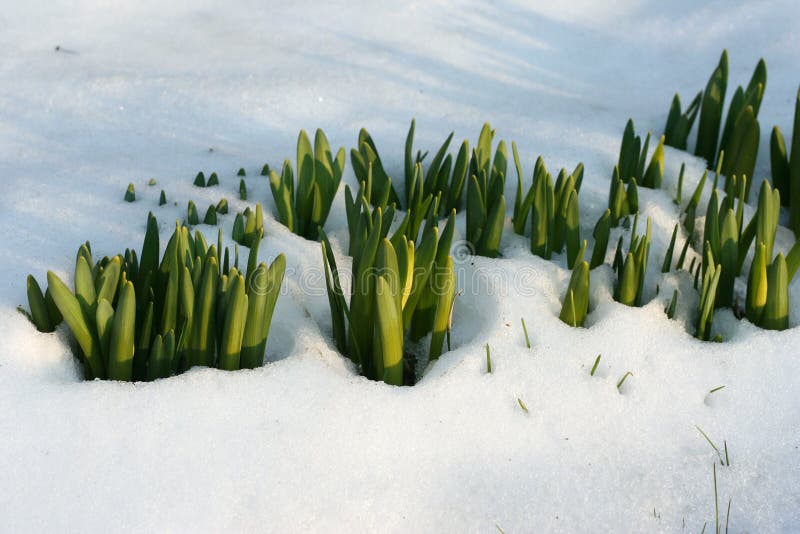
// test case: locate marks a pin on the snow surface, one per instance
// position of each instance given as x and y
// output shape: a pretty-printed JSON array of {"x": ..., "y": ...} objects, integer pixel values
[{"x": 145, "y": 89}]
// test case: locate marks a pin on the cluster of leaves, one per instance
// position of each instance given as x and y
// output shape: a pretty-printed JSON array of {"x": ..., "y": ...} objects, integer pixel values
[
  {"x": 248, "y": 226},
  {"x": 486, "y": 202},
  {"x": 553, "y": 209},
  {"x": 733, "y": 149},
  {"x": 401, "y": 288},
  {"x": 631, "y": 171},
  {"x": 444, "y": 178},
  {"x": 144, "y": 319},
  {"x": 726, "y": 242},
  {"x": 632, "y": 164},
  {"x": 305, "y": 209},
  {"x": 631, "y": 267}
]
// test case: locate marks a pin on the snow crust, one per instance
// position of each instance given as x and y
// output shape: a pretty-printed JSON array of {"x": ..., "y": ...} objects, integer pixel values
[{"x": 145, "y": 89}]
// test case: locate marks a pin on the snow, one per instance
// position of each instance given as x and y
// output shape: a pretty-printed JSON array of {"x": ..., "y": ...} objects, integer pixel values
[{"x": 145, "y": 89}]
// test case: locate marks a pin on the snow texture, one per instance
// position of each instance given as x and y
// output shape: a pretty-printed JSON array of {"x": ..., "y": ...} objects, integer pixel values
[{"x": 164, "y": 89}]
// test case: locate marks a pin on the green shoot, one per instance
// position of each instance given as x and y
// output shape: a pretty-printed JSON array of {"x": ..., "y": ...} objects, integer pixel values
[
  {"x": 596, "y": 363},
  {"x": 525, "y": 330},
  {"x": 622, "y": 380}
]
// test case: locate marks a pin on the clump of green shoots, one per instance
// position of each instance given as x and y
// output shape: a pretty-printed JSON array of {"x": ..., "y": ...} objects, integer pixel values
[
  {"x": 631, "y": 268},
  {"x": 632, "y": 163},
  {"x": 726, "y": 242},
  {"x": 576, "y": 299},
  {"x": 248, "y": 225},
  {"x": 679, "y": 122},
  {"x": 142, "y": 319},
  {"x": 162, "y": 199},
  {"x": 400, "y": 289},
  {"x": 130, "y": 193},
  {"x": 305, "y": 208},
  {"x": 423, "y": 206},
  {"x": 486, "y": 203},
  {"x": 444, "y": 178},
  {"x": 767, "y": 301},
  {"x": 43, "y": 313},
  {"x": 554, "y": 210},
  {"x": 740, "y": 134}
]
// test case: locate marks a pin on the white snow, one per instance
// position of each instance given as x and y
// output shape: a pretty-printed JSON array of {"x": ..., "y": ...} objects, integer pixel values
[{"x": 145, "y": 89}]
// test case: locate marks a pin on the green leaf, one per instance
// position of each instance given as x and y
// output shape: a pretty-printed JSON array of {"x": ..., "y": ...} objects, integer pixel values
[
  {"x": 489, "y": 242},
  {"x": 191, "y": 214},
  {"x": 336, "y": 298},
  {"x": 573, "y": 230},
  {"x": 230, "y": 346},
  {"x": 711, "y": 111},
  {"x": 776, "y": 310},
  {"x": 74, "y": 316},
  {"x": 211, "y": 216},
  {"x": 601, "y": 233},
  {"x": 104, "y": 320},
  {"x": 363, "y": 299},
  {"x": 757, "y": 286},
  {"x": 794, "y": 171},
  {"x": 150, "y": 249},
  {"x": 157, "y": 364},
  {"x": 655, "y": 171},
  {"x": 121, "y": 345},
  {"x": 389, "y": 332},
  {"x": 39, "y": 314},
  {"x": 728, "y": 259},
  {"x": 476, "y": 212},
  {"x": 779, "y": 164},
  {"x": 743, "y": 147},
  {"x": 445, "y": 285},
  {"x": 667, "y": 265},
  {"x": 201, "y": 348},
  {"x": 409, "y": 158}
]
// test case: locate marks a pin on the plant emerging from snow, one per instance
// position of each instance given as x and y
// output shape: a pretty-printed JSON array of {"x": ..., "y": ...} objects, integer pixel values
[
  {"x": 144, "y": 319},
  {"x": 305, "y": 208}
]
